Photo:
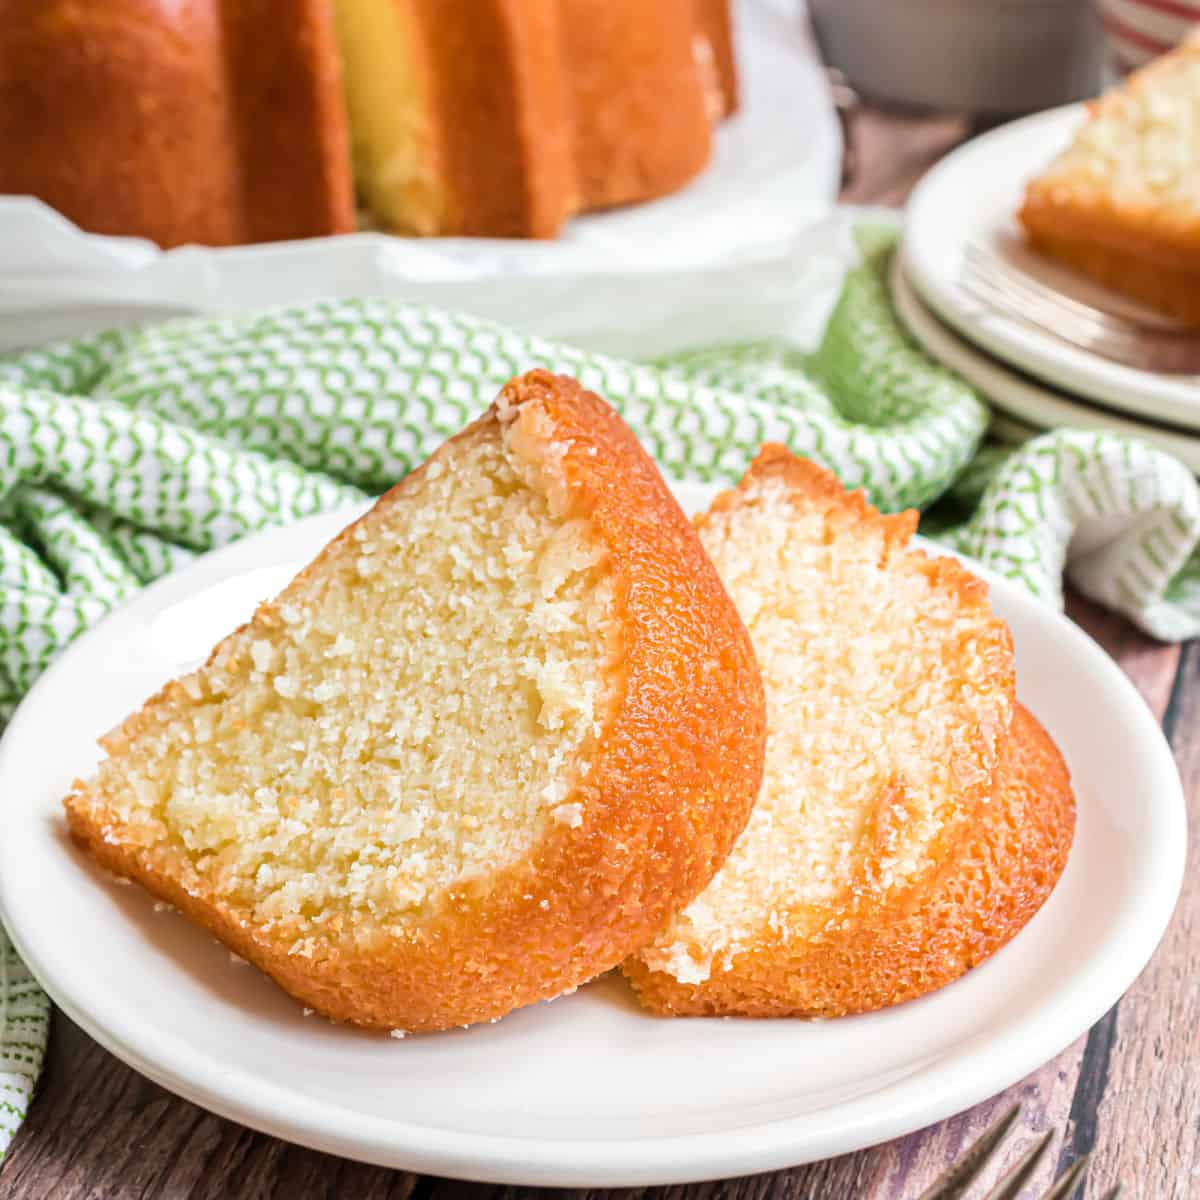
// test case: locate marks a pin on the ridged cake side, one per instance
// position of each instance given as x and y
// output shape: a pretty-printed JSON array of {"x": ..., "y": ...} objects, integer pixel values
[{"x": 170, "y": 122}]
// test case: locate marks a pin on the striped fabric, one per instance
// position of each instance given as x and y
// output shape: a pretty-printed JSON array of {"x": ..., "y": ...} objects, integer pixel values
[{"x": 1139, "y": 30}]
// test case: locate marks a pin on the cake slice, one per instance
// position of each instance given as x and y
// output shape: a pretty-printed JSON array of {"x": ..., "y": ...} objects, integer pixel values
[
  {"x": 477, "y": 752},
  {"x": 909, "y": 823},
  {"x": 1122, "y": 203}
]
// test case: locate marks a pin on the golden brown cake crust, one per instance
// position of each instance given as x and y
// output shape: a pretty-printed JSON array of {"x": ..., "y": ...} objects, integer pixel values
[
  {"x": 115, "y": 114},
  {"x": 216, "y": 122},
  {"x": 987, "y": 891},
  {"x": 133, "y": 117},
  {"x": 1162, "y": 236},
  {"x": 500, "y": 121},
  {"x": 641, "y": 125},
  {"x": 290, "y": 120},
  {"x": 715, "y": 19},
  {"x": 671, "y": 784}
]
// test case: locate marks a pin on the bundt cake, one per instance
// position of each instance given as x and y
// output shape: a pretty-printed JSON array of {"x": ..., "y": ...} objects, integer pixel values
[
  {"x": 478, "y": 751},
  {"x": 1122, "y": 203},
  {"x": 219, "y": 121},
  {"x": 908, "y": 823},
  {"x": 459, "y": 115},
  {"x": 715, "y": 46},
  {"x": 195, "y": 122},
  {"x": 642, "y": 103}
]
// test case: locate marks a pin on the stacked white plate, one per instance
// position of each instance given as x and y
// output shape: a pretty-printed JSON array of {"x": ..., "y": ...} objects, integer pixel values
[{"x": 1034, "y": 380}]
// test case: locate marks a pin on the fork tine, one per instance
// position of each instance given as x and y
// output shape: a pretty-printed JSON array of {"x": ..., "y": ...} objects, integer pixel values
[
  {"x": 1032, "y": 290},
  {"x": 1028, "y": 306},
  {"x": 1108, "y": 337},
  {"x": 1031, "y": 304},
  {"x": 1009, "y": 1188},
  {"x": 1152, "y": 323},
  {"x": 997, "y": 270},
  {"x": 993, "y": 267},
  {"x": 1064, "y": 1186},
  {"x": 1140, "y": 343},
  {"x": 956, "y": 1181}
]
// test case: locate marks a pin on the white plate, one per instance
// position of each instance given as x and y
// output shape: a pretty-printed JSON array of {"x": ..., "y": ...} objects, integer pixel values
[
  {"x": 775, "y": 169},
  {"x": 587, "y": 1090},
  {"x": 972, "y": 197},
  {"x": 1017, "y": 395}
]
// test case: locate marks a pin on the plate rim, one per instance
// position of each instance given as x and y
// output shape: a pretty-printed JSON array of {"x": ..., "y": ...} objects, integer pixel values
[
  {"x": 1017, "y": 395},
  {"x": 932, "y": 260},
  {"x": 963, "y": 1078}
]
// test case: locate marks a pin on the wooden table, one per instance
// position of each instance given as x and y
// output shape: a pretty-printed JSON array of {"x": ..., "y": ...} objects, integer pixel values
[{"x": 1129, "y": 1091}]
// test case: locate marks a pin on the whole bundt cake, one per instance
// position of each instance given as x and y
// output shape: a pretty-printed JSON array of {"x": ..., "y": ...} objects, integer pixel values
[{"x": 218, "y": 122}]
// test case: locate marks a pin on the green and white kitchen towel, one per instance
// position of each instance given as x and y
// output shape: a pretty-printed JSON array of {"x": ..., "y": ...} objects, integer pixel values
[{"x": 124, "y": 454}]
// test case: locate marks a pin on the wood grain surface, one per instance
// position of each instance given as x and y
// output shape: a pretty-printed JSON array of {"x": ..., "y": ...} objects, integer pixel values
[{"x": 1129, "y": 1091}]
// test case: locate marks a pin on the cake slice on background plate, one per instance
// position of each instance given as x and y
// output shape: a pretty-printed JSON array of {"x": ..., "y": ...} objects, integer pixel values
[
  {"x": 476, "y": 753},
  {"x": 1122, "y": 203},
  {"x": 912, "y": 817}
]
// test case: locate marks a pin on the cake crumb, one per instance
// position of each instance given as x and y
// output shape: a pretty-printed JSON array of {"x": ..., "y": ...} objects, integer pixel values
[
  {"x": 260, "y": 655},
  {"x": 570, "y": 815}
]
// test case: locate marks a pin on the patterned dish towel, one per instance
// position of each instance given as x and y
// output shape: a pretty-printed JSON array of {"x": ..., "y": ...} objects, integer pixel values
[{"x": 124, "y": 454}]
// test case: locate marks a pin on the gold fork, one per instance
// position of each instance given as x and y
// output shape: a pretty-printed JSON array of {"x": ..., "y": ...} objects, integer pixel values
[
  {"x": 965, "y": 1173},
  {"x": 1147, "y": 343}
]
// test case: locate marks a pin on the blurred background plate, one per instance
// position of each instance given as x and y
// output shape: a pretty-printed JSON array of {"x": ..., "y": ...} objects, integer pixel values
[
  {"x": 1030, "y": 407},
  {"x": 971, "y": 198}
]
